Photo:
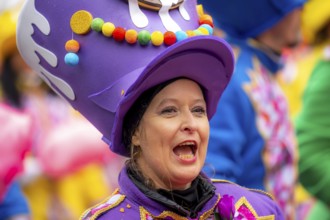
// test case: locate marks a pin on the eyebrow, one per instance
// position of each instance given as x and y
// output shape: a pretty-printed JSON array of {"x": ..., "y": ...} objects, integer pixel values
[{"x": 199, "y": 100}]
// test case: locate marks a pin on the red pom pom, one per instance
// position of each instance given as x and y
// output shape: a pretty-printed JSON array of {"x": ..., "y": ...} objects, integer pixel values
[
  {"x": 119, "y": 34},
  {"x": 169, "y": 38}
]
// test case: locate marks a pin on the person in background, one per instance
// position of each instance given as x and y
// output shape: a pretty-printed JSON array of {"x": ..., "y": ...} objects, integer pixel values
[
  {"x": 300, "y": 61},
  {"x": 149, "y": 77},
  {"x": 252, "y": 140},
  {"x": 15, "y": 142},
  {"x": 14, "y": 205},
  {"x": 313, "y": 121},
  {"x": 15, "y": 132}
]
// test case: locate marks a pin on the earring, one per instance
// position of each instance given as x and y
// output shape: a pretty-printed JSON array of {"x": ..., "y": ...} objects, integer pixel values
[{"x": 135, "y": 151}]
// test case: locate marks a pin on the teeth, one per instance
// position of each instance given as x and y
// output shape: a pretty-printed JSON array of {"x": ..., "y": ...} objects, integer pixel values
[
  {"x": 187, "y": 143},
  {"x": 186, "y": 156},
  {"x": 183, "y": 151}
]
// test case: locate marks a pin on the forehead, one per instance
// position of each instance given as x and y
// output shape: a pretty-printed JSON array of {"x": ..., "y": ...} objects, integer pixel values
[{"x": 181, "y": 89}]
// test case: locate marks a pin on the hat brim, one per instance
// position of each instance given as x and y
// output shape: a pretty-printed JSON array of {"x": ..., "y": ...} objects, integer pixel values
[{"x": 208, "y": 60}]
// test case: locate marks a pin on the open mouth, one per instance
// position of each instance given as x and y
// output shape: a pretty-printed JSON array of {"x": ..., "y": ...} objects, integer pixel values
[{"x": 186, "y": 150}]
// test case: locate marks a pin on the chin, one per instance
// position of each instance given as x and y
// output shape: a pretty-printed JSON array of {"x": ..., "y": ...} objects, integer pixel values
[
  {"x": 186, "y": 176},
  {"x": 182, "y": 184}
]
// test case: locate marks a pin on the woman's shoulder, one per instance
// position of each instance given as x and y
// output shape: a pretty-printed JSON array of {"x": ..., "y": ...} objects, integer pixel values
[
  {"x": 114, "y": 204},
  {"x": 225, "y": 185},
  {"x": 257, "y": 202}
]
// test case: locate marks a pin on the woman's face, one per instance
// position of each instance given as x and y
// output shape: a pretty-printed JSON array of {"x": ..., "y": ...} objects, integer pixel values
[{"x": 173, "y": 135}]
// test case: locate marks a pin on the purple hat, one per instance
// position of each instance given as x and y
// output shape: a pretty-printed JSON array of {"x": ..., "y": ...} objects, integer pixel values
[{"x": 101, "y": 55}]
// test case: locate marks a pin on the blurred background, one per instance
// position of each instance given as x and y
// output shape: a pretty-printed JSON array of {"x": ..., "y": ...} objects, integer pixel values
[{"x": 50, "y": 169}]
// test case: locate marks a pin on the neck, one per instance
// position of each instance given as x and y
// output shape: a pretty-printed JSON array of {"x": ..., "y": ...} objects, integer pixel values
[{"x": 149, "y": 177}]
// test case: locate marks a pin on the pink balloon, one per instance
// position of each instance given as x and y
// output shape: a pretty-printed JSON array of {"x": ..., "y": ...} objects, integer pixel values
[
  {"x": 15, "y": 141},
  {"x": 70, "y": 146}
]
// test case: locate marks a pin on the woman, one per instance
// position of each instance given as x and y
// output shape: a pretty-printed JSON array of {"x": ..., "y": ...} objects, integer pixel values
[
  {"x": 167, "y": 130},
  {"x": 151, "y": 92}
]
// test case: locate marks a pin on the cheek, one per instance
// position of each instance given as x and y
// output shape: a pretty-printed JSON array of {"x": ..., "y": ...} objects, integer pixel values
[
  {"x": 166, "y": 131},
  {"x": 151, "y": 137},
  {"x": 204, "y": 134},
  {"x": 205, "y": 130}
]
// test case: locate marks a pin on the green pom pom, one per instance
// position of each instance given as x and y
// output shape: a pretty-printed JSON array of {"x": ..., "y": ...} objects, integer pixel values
[
  {"x": 144, "y": 37},
  {"x": 97, "y": 24}
]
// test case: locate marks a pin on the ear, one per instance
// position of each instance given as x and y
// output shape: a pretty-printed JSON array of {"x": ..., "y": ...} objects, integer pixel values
[{"x": 136, "y": 137}]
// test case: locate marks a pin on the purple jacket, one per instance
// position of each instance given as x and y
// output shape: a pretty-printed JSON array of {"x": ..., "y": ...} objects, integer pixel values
[{"x": 129, "y": 203}]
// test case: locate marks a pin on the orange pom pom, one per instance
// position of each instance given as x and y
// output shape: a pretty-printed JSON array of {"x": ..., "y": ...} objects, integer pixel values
[
  {"x": 72, "y": 46},
  {"x": 206, "y": 17},
  {"x": 206, "y": 22},
  {"x": 131, "y": 36}
]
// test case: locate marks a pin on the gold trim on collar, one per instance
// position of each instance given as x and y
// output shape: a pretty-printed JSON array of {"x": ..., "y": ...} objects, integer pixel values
[
  {"x": 105, "y": 208},
  {"x": 207, "y": 214},
  {"x": 253, "y": 190},
  {"x": 164, "y": 214},
  {"x": 243, "y": 201}
]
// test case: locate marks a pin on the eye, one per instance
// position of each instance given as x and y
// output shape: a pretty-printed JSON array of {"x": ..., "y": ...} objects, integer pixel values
[
  {"x": 199, "y": 110},
  {"x": 168, "y": 111}
]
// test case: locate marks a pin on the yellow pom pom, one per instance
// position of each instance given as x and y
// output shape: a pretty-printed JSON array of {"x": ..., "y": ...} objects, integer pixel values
[
  {"x": 200, "y": 10},
  {"x": 203, "y": 30},
  {"x": 107, "y": 29},
  {"x": 81, "y": 22},
  {"x": 157, "y": 38},
  {"x": 190, "y": 33}
]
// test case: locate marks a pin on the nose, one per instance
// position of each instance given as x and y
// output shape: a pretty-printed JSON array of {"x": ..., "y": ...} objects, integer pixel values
[{"x": 189, "y": 123}]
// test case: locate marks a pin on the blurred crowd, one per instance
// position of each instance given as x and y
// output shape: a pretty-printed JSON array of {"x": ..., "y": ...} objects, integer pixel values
[{"x": 50, "y": 169}]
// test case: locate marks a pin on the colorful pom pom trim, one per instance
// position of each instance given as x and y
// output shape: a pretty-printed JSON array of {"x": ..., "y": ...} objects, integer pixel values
[{"x": 82, "y": 22}]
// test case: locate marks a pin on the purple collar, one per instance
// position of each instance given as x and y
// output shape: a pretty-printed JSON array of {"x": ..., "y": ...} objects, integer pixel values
[{"x": 134, "y": 194}]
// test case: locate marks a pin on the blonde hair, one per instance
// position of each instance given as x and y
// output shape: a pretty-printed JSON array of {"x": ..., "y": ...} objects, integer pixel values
[{"x": 134, "y": 167}]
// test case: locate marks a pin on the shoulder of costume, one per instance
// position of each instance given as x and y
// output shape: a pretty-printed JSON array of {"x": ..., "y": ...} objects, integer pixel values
[
  {"x": 235, "y": 185},
  {"x": 111, "y": 202}
]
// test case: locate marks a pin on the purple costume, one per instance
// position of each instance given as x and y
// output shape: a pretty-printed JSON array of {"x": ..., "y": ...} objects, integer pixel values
[{"x": 129, "y": 202}]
